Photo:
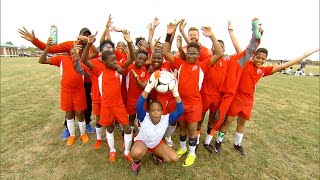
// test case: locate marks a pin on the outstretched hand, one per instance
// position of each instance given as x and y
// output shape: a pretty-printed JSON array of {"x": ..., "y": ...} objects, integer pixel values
[
  {"x": 182, "y": 24},
  {"x": 155, "y": 22},
  {"x": 26, "y": 34},
  {"x": 206, "y": 31},
  {"x": 171, "y": 27},
  {"x": 179, "y": 41},
  {"x": 92, "y": 38},
  {"x": 109, "y": 22},
  {"x": 126, "y": 36},
  {"x": 230, "y": 25},
  {"x": 152, "y": 81},
  {"x": 49, "y": 41},
  {"x": 175, "y": 91}
]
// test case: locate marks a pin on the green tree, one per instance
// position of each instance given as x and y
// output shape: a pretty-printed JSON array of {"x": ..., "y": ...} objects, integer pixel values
[{"x": 9, "y": 42}]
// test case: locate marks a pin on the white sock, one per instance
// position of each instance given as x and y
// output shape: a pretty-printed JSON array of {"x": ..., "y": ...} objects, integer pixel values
[
  {"x": 192, "y": 149},
  {"x": 198, "y": 138},
  {"x": 221, "y": 136},
  {"x": 110, "y": 138},
  {"x": 132, "y": 128},
  {"x": 208, "y": 139},
  {"x": 70, "y": 125},
  {"x": 98, "y": 131},
  {"x": 170, "y": 130},
  {"x": 127, "y": 143},
  {"x": 238, "y": 138},
  {"x": 183, "y": 144},
  {"x": 82, "y": 127}
]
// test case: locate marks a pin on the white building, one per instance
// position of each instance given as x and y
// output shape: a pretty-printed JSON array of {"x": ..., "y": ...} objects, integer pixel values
[{"x": 8, "y": 50}]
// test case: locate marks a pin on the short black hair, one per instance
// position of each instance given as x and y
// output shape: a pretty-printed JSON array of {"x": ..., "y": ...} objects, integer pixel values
[
  {"x": 153, "y": 102},
  {"x": 142, "y": 52},
  {"x": 193, "y": 44},
  {"x": 221, "y": 41},
  {"x": 263, "y": 50},
  {"x": 138, "y": 39},
  {"x": 107, "y": 41},
  {"x": 157, "y": 51},
  {"x": 106, "y": 54}
]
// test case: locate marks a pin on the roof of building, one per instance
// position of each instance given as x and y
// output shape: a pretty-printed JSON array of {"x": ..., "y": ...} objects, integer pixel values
[{"x": 7, "y": 45}]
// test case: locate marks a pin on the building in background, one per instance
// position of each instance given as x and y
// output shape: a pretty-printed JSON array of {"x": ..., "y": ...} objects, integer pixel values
[{"x": 8, "y": 50}]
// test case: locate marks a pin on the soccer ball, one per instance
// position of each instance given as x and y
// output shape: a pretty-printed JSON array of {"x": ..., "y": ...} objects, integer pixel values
[{"x": 165, "y": 83}]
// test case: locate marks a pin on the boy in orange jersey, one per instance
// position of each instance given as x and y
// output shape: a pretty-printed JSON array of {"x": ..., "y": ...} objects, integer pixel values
[
  {"x": 136, "y": 80},
  {"x": 112, "y": 106},
  {"x": 73, "y": 99},
  {"x": 242, "y": 103},
  {"x": 96, "y": 95},
  {"x": 190, "y": 77},
  {"x": 66, "y": 47}
]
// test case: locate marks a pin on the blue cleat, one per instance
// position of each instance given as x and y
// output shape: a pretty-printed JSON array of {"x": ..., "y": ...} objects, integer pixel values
[
  {"x": 65, "y": 135},
  {"x": 90, "y": 129}
]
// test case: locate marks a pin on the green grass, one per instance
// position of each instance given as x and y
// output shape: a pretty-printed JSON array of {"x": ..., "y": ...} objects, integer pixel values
[{"x": 282, "y": 138}]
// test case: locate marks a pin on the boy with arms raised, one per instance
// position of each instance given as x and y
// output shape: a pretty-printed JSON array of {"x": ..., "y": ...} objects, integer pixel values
[
  {"x": 190, "y": 77},
  {"x": 242, "y": 103}
]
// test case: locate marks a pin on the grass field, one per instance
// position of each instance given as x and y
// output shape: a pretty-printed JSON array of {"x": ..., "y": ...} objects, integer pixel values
[{"x": 282, "y": 139}]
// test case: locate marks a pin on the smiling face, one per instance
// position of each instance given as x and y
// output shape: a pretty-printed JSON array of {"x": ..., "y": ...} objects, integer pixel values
[
  {"x": 259, "y": 59},
  {"x": 107, "y": 47},
  {"x": 143, "y": 45},
  {"x": 192, "y": 55},
  {"x": 193, "y": 35},
  {"x": 157, "y": 59},
  {"x": 109, "y": 59},
  {"x": 121, "y": 46}
]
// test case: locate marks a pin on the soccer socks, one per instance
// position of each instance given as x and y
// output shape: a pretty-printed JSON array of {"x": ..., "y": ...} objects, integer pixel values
[
  {"x": 170, "y": 130},
  {"x": 192, "y": 145},
  {"x": 221, "y": 136},
  {"x": 127, "y": 143},
  {"x": 238, "y": 138},
  {"x": 82, "y": 127},
  {"x": 132, "y": 129},
  {"x": 110, "y": 138},
  {"x": 183, "y": 142},
  {"x": 209, "y": 136},
  {"x": 70, "y": 125},
  {"x": 198, "y": 137},
  {"x": 98, "y": 132}
]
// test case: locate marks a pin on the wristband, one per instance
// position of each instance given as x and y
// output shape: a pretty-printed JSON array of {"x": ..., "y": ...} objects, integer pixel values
[
  {"x": 168, "y": 38},
  {"x": 230, "y": 29}
]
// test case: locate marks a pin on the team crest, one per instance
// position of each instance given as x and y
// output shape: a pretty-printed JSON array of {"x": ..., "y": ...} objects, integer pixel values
[
  {"x": 194, "y": 68},
  {"x": 259, "y": 71},
  {"x": 143, "y": 74}
]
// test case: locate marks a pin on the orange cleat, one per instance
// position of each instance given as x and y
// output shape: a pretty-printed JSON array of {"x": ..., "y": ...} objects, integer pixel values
[
  {"x": 71, "y": 140},
  {"x": 97, "y": 144},
  {"x": 128, "y": 157},
  {"x": 112, "y": 156},
  {"x": 84, "y": 138}
]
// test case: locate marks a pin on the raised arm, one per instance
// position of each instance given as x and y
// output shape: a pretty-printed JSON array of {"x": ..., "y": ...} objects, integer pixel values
[
  {"x": 218, "y": 50},
  {"x": 182, "y": 54},
  {"x": 294, "y": 61},
  {"x": 152, "y": 27},
  {"x": 141, "y": 113},
  {"x": 173, "y": 117},
  {"x": 171, "y": 28},
  {"x": 181, "y": 28},
  {"x": 106, "y": 32},
  {"x": 43, "y": 58},
  {"x": 85, "y": 53},
  {"x": 132, "y": 56},
  {"x": 233, "y": 37}
]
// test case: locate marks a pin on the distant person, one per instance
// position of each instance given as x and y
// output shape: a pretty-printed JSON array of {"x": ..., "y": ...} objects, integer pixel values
[
  {"x": 289, "y": 71},
  {"x": 298, "y": 72},
  {"x": 303, "y": 66}
]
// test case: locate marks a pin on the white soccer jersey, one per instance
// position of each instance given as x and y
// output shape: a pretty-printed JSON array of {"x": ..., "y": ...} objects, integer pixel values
[{"x": 151, "y": 134}]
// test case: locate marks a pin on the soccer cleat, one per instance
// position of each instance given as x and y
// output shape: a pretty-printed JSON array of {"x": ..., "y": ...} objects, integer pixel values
[
  {"x": 112, "y": 156},
  {"x": 217, "y": 147},
  {"x": 158, "y": 160},
  {"x": 209, "y": 147},
  {"x": 240, "y": 149},
  {"x": 168, "y": 141},
  {"x": 90, "y": 129},
  {"x": 71, "y": 140},
  {"x": 189, "y": 160},
  {"x": 181, "y": 152},
  {"x": 84, "y": 138},
  {"x": 97, "y": 144},
  {"x": 128, "y": 157},
  {"x": 135, "y": 167},
  {"x": 65, "y": 134}
]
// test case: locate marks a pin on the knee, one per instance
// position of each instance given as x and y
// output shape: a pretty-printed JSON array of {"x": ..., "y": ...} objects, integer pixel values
[
  {"x": 136, "y": 154},
  {"x": 126, "y": 129},
  {"x": 172, "y": 158}
]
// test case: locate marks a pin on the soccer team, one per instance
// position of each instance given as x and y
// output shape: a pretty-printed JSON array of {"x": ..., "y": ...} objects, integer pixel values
[{"x": 118, "y": 84}]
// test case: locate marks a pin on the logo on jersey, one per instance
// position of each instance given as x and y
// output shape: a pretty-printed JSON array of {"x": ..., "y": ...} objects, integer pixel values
[
  {"x": 259, "y": 71},
  {"x": 194, "y": 68},
  {"x": 143, "y": 74},
  {"x": 116, "y": 74}
]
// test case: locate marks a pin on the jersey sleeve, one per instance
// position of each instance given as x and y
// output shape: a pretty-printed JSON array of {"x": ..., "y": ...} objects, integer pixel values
[
  {"x": 141, "y": 113},
  {"x": 56, "y": 60},
  {"x": 173, "y": 117},
  {"x": 245, "y": 55},
  {"x": 267, "y": 71},
  {"x": 177, "y": 62},
  {"x": 59, "y": 48},
  {"x": 205, "y": 65}
]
